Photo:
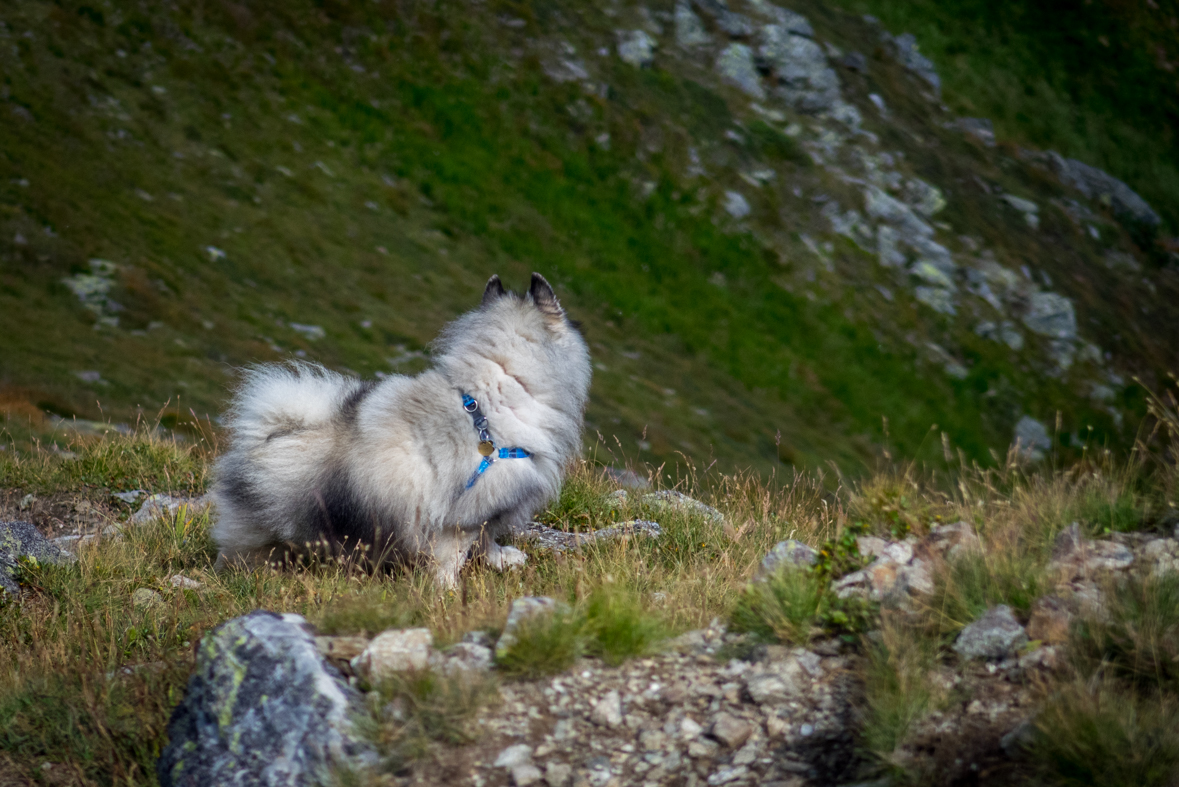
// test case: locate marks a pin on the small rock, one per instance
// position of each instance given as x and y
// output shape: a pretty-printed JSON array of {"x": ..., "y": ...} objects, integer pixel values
[
  {"x": 995, "y": 635},
  {"x": 557, "y": 774},
  {"x": 981, "y": 129},
  {"x": 736, "y": 66},
  {"x": 463, "y": 658},
  {"x": 158, "y": 506},
  {"x": 341, "y": 648},
  {"x": 728, "y": 774},
  {"x": 311, "y": 332},
  {"x": 1032, "y": 438},
  {"x": 1049, "y": 314},
  {"x": 513, "y": 756},
  {"x": 678, "y": 501},
  {"x": 608, "y": 710},
  {"x": 730, "y": 730},
  {"x": 1071, "y": 551},
  {"x": 1050, "y": 619},
  {"x": 524, "y": 775},
  {"x": 1021, "y": 736},
  {"x": 23, "y": 540},
  {"x": 736, "y": 205},
  {"x": 397, "y": 650},
  {"x": 637, "y": 48},
  {"x": 129, "y": 497},
  {"x": 787, "y": 554},
  {"x": 690, "y": 728},
  {"x": 950, "y": 541},
  {"x": 1096, "y": 184},
  {"x": 183, "y": 582},
  {"x": 689, "y": 30},
  {"x": 906, "y": 52},
  {"x": 523, "y": 608},
  {"x": 146, "y": 598}
]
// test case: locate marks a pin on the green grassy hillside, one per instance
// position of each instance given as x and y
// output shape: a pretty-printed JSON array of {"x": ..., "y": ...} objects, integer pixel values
[{"x": 254, "y": 170}]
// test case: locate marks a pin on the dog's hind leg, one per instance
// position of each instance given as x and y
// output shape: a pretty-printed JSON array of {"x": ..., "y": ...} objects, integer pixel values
[
  {"x": 500, "y": 558},
  {"x": 448, "y": 552}
]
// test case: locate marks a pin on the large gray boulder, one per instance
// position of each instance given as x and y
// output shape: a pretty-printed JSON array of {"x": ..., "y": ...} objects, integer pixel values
[
  {"x": 23, "y": 539},
  {"x": 263, "y": 708},
  {"x": 1100, "y": 185}
]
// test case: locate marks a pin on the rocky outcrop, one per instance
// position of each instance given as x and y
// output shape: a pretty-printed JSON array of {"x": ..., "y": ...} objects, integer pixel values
[{"x": 262, "y": 707}]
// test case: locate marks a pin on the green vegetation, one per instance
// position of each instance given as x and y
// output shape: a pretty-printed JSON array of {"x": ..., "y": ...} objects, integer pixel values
[
  {"x": 363, "y": 170},
  {"x": 1093, "y": 80}
]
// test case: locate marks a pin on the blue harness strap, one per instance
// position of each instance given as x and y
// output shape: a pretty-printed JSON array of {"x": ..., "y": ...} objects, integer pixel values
[{"x": 486, "y": 444}]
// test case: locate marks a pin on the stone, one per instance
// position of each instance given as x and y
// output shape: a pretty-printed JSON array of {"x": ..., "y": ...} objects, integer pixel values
[
  {"x": 184, "y": 583},
  {"x": 465, "y": 658},
  {"x": 393, "y": 651},
  {"x": 678, "y": 501},
  {"x": 883, "y": 207},
  {"x": 1049, "y": 621},
  {"x": 937, "y": 298},
  {"x": 1051, "y": 315},
  {"x": 1031, "y": 438},
  {"x": 557, "y": 774},
  {"x": 981, "y": 129},
  {"x": 800, "y": 66},
  {"x": 995, "y": 635},
  {"x": 524, "y": 775},
  {"x": 950, "y": 541},
  {"x": 787, "y": 554},
  {"x": 730, "y": 730},
  {"x": 263, "y": 708},
  {"x": 1072, "y": 552},
  {"x": 341, "y": 648},
  {"x": 551, "y": 539},
  {"x": 689, "y": 30},
  {"x": 727, "y": 773},
  {"x": 146, "y": 598},
  {"x": 905, "y": 46},
  {"x": 23, "y": 540},
  {"x": 522, "y": 609},
  {"x": 1020, "y": 204},
  {"x": 608, "y": 710},
  {"x": 776, "y": 682},
  {"x": 1097, "y": 184},
  {"x": 626, "y": 478},
  {"x": 735, "y": 65},
  {"x": 514, "y": 756},
  {"x": 311, "y": 332},
  {"x": 157, "y": 506},
  {"x": 637, "y": 48},
  {"x": 924, "y": 198}
]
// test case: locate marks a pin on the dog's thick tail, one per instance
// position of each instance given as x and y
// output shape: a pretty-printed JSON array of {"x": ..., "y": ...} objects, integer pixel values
[{"x": 283, "y": 399}]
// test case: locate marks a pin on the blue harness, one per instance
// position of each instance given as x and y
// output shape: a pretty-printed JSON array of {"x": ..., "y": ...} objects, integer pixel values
[{"x": 487, "y": 447}]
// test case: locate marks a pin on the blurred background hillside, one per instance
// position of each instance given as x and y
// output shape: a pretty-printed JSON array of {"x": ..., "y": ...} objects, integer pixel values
[{"x": 791, "y": 234}]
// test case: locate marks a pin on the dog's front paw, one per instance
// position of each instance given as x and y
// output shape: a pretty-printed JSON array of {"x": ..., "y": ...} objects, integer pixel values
[{"x": 506, "y": 557}]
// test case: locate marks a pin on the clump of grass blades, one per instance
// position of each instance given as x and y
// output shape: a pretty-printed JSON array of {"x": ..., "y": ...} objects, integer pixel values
[
  {"x": 1099, "y": 733},
  {"x": 1136, "y": 637},
  {"x": 423, "y": 707},
  {"x": 898, "y": 690},
  {"x": 795, "y": 604},
  {"x": 618, "y": 628},
  {"x": 967, "y": 586},
  {"x": 545, "y": 645}
]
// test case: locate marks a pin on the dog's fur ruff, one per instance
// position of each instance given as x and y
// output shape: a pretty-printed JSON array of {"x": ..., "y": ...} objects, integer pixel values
[{"x": 320, "y": 459}]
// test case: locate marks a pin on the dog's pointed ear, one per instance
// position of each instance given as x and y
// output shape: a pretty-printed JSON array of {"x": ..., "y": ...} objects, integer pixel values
[
  {"x": 543, "y": 297},
  {"x": 493, "y": 291}
]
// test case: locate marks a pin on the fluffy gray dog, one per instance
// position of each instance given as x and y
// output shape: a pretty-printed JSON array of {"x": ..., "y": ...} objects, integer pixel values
[{"x": 410, "y": 467}]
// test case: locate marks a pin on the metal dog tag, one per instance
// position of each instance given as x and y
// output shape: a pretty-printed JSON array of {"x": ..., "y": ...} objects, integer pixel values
[{"x": 486, "y": 447}]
